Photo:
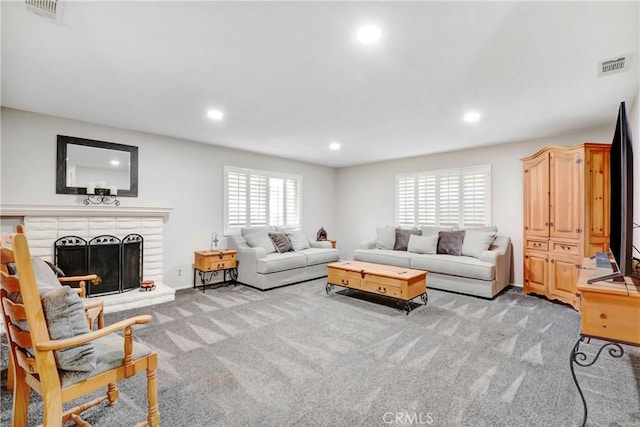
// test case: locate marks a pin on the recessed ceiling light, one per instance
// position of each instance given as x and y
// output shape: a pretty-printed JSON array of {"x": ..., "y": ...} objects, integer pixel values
[
  {"x": 115, "y": 162},
  {"x": 215, "y": 114},
  {"x": 369, "y": 34},
  {"x": 334, "y": 146},
  {"x": 472, "y": 117}
]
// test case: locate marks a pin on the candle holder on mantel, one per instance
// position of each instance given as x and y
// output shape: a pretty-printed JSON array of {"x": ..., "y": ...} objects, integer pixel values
[{"x": 101, "y": 196}]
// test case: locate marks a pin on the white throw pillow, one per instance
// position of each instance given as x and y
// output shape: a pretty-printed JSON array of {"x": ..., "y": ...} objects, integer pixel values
[
  {"x": 299, "y": 240},
  {"x": 475, "y": 242},
  {"x": 422, "y": 244},
  {"x": 386, "y": 237},
  {"x": 261, "y": 239},
  {"x": 433, "y": 231}
]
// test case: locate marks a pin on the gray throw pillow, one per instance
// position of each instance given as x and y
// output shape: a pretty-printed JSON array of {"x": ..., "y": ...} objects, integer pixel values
[
  {"x": 402, "y": 238},
  {"x": 386, "y": 237},
  {"x": 64, "y": 313},
  {"x": 423, "y": 244},
  {"x": 476, "y": 242},
  {"x": 299, "y": 240},
  {"x": 261, "y": 239},
  {"x": 450, "y": 242},
  {"x": 46, "y": 280},
  {"x": 280, "y": 241}
]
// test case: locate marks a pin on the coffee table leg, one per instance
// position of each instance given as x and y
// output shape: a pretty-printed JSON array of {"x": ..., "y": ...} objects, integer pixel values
[
  {"x": 329, "y": 287},
  {"x": 424, "y": 297}
]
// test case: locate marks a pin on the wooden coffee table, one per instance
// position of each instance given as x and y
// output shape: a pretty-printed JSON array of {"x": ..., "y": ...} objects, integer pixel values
[{"x": 403, "y": 284}]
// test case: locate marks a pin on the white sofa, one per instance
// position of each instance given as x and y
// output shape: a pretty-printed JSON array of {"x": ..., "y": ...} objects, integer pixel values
[
  {"x": 263, "y": 267},
  {"x": 484, "y": 275}
]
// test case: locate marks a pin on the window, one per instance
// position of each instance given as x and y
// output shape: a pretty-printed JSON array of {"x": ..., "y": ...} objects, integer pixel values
[
  {"x": 260, "y": 198},
  {"x": 459, "y": 197}
]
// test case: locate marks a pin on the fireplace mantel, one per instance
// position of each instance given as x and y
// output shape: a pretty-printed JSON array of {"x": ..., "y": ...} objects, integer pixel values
[{"x": 85, "y": 211}]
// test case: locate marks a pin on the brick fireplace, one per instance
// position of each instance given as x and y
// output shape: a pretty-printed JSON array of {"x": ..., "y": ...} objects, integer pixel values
[{"x": 45, "y": 224}]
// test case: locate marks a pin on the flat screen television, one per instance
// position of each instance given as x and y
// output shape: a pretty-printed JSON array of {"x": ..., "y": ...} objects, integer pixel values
[{"x": 621, "y": 193}]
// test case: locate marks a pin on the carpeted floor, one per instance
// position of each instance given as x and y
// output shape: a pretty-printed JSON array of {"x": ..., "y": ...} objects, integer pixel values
[{"x": 294, "y": 356}]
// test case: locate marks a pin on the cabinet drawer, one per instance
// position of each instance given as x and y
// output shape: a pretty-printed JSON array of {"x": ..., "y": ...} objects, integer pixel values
[
  {"x": 218, "y": 264},
  {"x": 381, "y": 288},
  {"x": 538, "y": 245},
  {"x": 349, "y": 279},
  {"x": 565, "y": 248}
]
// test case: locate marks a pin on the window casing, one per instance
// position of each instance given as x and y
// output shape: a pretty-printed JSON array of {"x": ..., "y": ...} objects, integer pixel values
[
  {"x": 451, "y": 197},
  {"x": 255, "y": 198}
]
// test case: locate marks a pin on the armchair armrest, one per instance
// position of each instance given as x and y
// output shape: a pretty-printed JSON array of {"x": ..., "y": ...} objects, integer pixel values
[
  {"x": 500, "y": 256},
  {"x": 52, "y": 345},
  {"x": 82, "y": 282}
]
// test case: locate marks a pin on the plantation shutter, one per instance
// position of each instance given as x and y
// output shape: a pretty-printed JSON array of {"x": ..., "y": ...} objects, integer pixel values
[
  {"x": 292, "y": 203},
  {"x": 257, "y": 200},
  {"x": 427, "y": 200},
  {"x": 405, "y": 193},
  {"x": 475, "y": 201},
  {"x": 449, "y": 198},
  {"x": 236, "y": 199},
  {"x": 276, "y": 201}
]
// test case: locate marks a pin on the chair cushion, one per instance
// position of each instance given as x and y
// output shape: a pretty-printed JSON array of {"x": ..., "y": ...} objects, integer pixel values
[
  {"x": 299, "y": 239},
  {"x": 383, "y": 256},
  {"x": 275, "y": 262},
  {"x": 454, "y": 265},
  {"x": 109, "y": 354},
  {"x": 317, "y": 256},
  {"x": 64, "y": 313}
]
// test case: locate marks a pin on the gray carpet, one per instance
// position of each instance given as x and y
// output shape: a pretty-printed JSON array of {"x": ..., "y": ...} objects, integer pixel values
[{"x": 294, "y": 356}]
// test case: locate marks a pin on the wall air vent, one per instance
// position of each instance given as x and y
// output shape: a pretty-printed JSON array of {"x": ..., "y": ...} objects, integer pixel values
[
  {"x": 48, "y": 8},
  {"x": 613, "y": 65}
]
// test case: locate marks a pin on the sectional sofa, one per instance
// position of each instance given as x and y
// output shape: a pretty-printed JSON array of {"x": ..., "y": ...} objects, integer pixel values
[
  {"x": 261, "y": 265},
  {"x": 480, "y": 268}
]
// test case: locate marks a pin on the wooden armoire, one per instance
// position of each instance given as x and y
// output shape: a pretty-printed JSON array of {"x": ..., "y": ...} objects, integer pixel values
[{"x": 566, "y": 216}]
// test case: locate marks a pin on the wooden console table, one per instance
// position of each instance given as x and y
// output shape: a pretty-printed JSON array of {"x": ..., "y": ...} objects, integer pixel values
[
  {"x": 610, "y": 312},
  {"x": 209, "y": 263}
]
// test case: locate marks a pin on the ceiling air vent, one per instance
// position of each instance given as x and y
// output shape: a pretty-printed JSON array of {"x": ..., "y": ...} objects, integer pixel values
[
  {"x": 48, "y": 8},
  {"x": 614, "y": 65}
]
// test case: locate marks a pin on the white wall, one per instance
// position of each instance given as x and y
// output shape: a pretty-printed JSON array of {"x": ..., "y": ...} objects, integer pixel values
[
  {"x": 366, "y": 195},
  {"x": 184, "y": 175}
]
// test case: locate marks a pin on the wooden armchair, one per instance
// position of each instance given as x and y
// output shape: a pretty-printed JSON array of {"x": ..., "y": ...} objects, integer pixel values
[
  {"x": 94, "y": 309},
  {"x": 35, "y": 354}
]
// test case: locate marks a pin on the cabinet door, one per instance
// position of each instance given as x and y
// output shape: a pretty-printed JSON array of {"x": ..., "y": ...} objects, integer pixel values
[
  {"x": 536, "y": 196},
  {"x": 536, "y": 272},
  {"x": 566, "y": 207},
  {"x": 563, "y": 276}
]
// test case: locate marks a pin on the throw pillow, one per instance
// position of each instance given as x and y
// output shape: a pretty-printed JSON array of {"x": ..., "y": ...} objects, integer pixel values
[
  {"x": 402, "y": 238},
  {"x": 64, "y": 313},
  {"x": 46, "y": 279},
  {"x": 476, "y": 242},
  {"x": 261, "y": 239},
  {"x": 386, "y": 237},
  {"x": 299, "y": 240},
  {"x": 433, "y": 231},
  {"x": 280, "y": 241},
  {"x": 250, "y": 230},
  {"x": 450, "y": 242},
  {"x": 423, "y": 244}
]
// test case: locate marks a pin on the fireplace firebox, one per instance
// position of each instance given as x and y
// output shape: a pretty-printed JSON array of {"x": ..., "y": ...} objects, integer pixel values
[{"x": 116, "y": 262}]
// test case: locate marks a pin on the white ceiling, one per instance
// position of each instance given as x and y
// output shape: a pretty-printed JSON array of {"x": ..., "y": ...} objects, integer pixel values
[{"x": 291, "y": 77}]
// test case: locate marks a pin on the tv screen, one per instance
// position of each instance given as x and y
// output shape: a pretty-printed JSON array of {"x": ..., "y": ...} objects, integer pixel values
[{"x": 621, "y": 191}]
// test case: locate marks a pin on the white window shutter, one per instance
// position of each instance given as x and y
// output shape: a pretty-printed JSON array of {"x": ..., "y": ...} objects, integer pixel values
[
  {"x": 257, "y": 200},
  {"x": 449, "y": 199},
  {"x": 475, "y": 198},
  {"x": 406, "y": 200},
  {"x": 427, "y": 200},
  {"x": 236, "y": 199}
]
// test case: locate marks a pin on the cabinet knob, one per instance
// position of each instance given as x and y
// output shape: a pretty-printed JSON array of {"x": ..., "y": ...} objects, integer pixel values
[
  {"x": 603, "y": 316},
  {"x": 546, "y": 224}
]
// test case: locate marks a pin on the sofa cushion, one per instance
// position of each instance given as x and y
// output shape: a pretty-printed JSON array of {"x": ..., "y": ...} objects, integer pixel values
[
  {"x": 250, "y": 230},
  {"x": 320, "y": 256},
  {"x": 453, "y": 265},
  {"x": 383, "y": 256},
  {"x": 476, "y": 242},
  {"x": 261, "y": 239},
  {"x": 402, "y": 238},
  {"x": 299, "y": 240},
  {"x": 450, "y": 242},
  {"x": 275, "y": 262},
  {"x": 386, "y": 237},
  {"x": 280, "y": 241},
  {"x": 423, "y": 244}
]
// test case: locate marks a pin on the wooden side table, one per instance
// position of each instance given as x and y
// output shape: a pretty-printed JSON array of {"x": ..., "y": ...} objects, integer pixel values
[
  {"x": 208, "y": 264},
  {"x": 333, "y": 243}
]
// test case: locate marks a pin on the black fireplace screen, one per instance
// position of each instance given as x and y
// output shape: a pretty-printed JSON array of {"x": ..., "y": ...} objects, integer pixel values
[{"x": 117, "y": 263}]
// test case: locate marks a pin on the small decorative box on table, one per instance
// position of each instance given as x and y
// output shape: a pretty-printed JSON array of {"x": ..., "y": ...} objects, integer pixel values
[{"x": 208, "y": 264}]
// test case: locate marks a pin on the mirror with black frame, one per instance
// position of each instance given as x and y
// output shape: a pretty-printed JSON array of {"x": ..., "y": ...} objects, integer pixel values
[{"x": 86, "y": 163}]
